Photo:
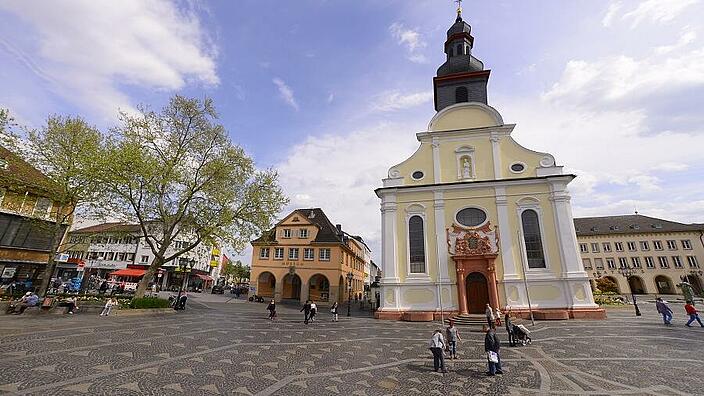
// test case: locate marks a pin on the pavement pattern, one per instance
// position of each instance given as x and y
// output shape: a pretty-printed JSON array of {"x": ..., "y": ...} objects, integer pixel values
[{"x": 221, "y": 347}]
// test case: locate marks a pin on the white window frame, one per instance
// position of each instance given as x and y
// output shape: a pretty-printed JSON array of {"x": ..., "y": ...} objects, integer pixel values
[
  {"x": 677, "y": 262},
  {"x": 618, "y": 246},
  {"x": 303, "y": 233},
  {"x": 692, "y": 261},
  {"x": 587, "y": 264},
  {"x": 610, "y": 263},
  {"x": 686, "y": 244},
  {"x": 606, "y": 247},
  {"x": 663, "y": 262},
  {"x": 312, "y": 254},
  {"x": 417, "y": 210},
  {"x": 598, "y": 263},
  {"x": 324, "y": 257},
  {"x": 632, "y": 246},
  {"x": 635, "y": 262},
  {"x": 671, "y": 244},
  {"x": 649, "y": 262},
  {"x": 264, "y": 253},
  {"x": 657, "y": 245},
  {"x": 142, "y": 259},
  {"x": 291, "y": 255},
  {"x": 622, "y": 262},
  {"x": 277, "y": 256},
  {"x": 584, "y": 248},
  {"x": 45, "y": 213},
  {"x": 531, "y": 203},
  {"x": 595, "y": 247},
  {"x": 644, "y": 245},
  {"x": 286, "y": 233}
]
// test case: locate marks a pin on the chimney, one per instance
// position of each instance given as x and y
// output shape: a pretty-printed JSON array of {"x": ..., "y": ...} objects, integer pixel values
[{"x": 339, "y": 228}]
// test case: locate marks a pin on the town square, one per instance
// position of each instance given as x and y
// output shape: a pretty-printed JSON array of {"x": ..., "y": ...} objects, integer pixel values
[{"x": 360, "y": 198}]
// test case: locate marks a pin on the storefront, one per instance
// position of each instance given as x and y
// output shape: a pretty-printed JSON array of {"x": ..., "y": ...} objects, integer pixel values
[{"x": 26, "y": 275}]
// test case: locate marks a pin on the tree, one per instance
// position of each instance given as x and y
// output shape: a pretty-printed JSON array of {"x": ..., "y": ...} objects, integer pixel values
[
  {"x": 228, "y": 271},
  {"x": 177, "y": 174},
  {"x": 606, "y": 285},
  {"x": 67, "y": 151}
]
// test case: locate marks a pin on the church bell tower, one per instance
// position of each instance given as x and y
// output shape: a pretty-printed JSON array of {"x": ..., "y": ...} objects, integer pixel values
[{"x": 462, "y": 77}]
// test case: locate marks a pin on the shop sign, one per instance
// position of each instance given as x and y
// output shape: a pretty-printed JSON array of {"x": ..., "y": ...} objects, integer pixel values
[
  {"x": 63, "y": 257},
  {"x": 9, "y": 272}
]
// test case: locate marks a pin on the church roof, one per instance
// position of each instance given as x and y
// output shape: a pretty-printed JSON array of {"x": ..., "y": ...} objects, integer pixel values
[{"x": 629, "y": 224}]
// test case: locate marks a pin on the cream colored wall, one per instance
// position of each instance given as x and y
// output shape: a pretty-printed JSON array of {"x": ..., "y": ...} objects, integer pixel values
[
  {"x": 647, "y": 274},
  {"x": 463, "y": 118},
  {"x": 483, "y": 162},
  {"x": 421, "y": 160},
  {"x": 512, "y": 152},
  {"x": 406, "y": 199}
]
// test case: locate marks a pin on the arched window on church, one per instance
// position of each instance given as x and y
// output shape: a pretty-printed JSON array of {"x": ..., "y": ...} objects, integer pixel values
[
  {"x": 459, "y": 49},
  {"x": 461, "y": 95},
  {"x": 416, "y": 244},
  {"x": 533, "y": 241}
]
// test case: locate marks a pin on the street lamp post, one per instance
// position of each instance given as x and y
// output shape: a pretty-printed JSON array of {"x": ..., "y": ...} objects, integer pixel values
[
  {"x": 627, "y": 273},
  {"x": 349, "y": 292},
  {"x": 184, "y": 267}
]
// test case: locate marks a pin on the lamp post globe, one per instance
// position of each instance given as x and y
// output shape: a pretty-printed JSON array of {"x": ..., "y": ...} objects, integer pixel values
[{"x": 627, "y": 273}]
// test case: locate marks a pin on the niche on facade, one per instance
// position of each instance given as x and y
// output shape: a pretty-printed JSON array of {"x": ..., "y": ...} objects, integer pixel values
[{"x": 464, "y": 156}]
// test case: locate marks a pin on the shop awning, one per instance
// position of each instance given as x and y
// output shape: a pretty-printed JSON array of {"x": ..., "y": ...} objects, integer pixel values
[
  {"x": 128, "y": 272},
  {"x": 206, "y": 278}
]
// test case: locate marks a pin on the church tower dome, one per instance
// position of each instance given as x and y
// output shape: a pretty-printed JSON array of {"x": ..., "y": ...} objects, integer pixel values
[{"x": 462, "y": 77}]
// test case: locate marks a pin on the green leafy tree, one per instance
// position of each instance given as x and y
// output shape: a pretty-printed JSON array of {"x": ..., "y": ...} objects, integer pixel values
[
  {"x": 68, "y": 152},
  {"x": 177, "y": 174},
  {"x": 228, "y": 271}
]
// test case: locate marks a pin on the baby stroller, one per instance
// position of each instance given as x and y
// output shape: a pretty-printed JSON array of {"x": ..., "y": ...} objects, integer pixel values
[{"x": 521, "y": 334}]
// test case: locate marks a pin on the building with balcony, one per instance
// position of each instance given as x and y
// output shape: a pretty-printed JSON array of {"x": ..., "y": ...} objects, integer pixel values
[
  {"x": 663, "y": 253},
  {"x": 306, "y": 257},
  {"x": 29, "y": 211}
]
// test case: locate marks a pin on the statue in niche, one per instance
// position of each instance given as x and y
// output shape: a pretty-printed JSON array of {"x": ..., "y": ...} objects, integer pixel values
[{"x": 466, "y": 169}]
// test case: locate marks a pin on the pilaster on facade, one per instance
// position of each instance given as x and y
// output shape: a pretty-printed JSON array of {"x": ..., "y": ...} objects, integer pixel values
[
  {"x": 505, "y": 235},
  {"x": 440, "y": 237},
  {"x": 437, "y": 172},
  {"x": 389, "y": 232},
  {"x": 494, "y": 137}
]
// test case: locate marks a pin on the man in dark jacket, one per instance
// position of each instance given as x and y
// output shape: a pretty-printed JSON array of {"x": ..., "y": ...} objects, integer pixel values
[
  {"x": 306, "y": 311},
  {"x": 491, "y": 347}
]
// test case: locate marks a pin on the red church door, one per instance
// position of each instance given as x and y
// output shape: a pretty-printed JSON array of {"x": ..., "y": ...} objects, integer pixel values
[{"x": 477, "y": 293}]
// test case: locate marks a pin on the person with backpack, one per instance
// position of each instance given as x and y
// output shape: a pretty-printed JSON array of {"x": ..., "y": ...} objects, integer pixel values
[
  {"x": 333, "y": 311},
  {"x": 664, "y": 310},
  {"x": 693, "y": 314},
  {"x": 272, "y": 310},
  {"x": 306, "y": 311}
]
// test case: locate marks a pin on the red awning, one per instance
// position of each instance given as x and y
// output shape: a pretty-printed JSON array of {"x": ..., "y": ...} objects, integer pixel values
[
  {"x": 128, "y": 272},
  {"x": 205, "y": 277}
]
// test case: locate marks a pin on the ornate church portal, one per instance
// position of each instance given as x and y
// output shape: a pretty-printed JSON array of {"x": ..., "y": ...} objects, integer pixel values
[{"x": 474, "y": 218}]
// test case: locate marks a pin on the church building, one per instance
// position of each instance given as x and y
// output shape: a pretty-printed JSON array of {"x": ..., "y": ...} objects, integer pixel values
[{"x": 474, "y": 218}]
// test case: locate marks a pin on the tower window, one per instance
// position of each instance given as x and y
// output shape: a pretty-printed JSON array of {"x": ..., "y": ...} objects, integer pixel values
[
  {"x": 461, "y": 95},
  {"x": 459, "y": 49}
]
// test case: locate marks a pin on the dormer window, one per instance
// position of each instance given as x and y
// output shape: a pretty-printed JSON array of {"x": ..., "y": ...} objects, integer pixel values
[
  {"x": 594, "y": 229},
  {"x": 303, "y": 233},
  {"x": 287, "y": 233},
  {"x": 461, "y": 95}
]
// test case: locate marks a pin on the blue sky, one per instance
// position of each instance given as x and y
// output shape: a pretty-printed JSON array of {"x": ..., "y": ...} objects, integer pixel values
[{"x": 331, "y": 93}]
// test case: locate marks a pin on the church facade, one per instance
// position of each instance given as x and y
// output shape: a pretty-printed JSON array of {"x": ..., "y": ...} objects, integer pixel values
[{"x": 474, "y": 218}]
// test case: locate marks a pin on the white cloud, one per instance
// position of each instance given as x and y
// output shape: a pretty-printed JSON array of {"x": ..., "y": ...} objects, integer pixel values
[
  {"x": 394, "y": 100},
  {"x": 331, "y": 97},
  {"x": 655, "y": 11},
  {"x": 286, "y": 93},
  {"x": 411, "y": 39},
  {"x": 88, "y": 49},
  {"x": 347, "y": 168}
]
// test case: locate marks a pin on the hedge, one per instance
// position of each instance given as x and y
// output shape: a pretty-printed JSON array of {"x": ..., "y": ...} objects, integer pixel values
[{"x": 149, "y": 302}]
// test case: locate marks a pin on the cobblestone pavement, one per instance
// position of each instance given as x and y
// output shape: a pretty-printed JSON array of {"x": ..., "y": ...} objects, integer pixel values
[{"x": 230, "y": 348}]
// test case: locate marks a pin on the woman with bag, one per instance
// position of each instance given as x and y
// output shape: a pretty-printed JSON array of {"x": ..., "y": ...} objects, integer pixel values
[{"x": 491, "y": 347}]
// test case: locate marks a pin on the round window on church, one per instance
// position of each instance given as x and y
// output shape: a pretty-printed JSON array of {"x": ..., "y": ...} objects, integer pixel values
[
  {"x": 518, "y": 167},
  {"x": 471, "y": 217},
  {"x": 417, "y": 175}
]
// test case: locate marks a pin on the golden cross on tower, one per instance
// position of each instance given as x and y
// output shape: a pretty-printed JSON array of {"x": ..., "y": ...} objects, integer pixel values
[{"x": 459, "y": 7}]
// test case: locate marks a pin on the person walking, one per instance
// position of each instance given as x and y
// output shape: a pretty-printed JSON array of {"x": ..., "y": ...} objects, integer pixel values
[
  {"x": 491, "y": 347},
  {"x": 306, "y": 311},
  {"x": 313, "y": 311},
  {"x": 509, "y": 328},
  {"x": 664, "y": 310},
  {"x": 333, "y": 311},
  {"x": 108, "y": 307},
  {"x": 452, "y": 337},
  {"x": 489, "y": 315},
  {"x": 272, "y": 310},
  {"x": 437, "y": 344},
  {"x": 693, "y": 314},
  {"x": 497, "y": 317}
]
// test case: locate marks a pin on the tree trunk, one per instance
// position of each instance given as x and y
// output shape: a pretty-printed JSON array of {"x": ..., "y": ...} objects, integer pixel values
[{"x": 148, "y": 276}]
